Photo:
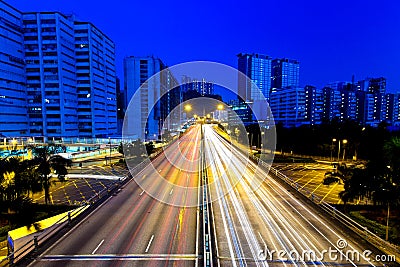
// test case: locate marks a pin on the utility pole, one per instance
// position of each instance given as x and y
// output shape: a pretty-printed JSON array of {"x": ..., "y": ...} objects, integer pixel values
[{"x": 387, "y": 222}]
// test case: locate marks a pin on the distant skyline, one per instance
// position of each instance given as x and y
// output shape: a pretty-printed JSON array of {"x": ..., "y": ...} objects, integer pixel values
[{"x": 332, "y": 41}]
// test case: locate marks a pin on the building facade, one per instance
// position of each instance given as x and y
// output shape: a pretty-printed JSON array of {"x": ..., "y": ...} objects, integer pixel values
[
  {"x": 288, "y": 107},
  {"x": 314, "y": 104},
  {"x": 364, "y": 102},
  {"x": 257, "y": 68},
  {"x": 60, "y": 76},
  {"x": 202, "y": 86},
  {"x": 239, "y": 112},
  {"x": 96, "y": 81},
  {"x": 13, "y": 119},
  {"x": 148, "y": 102},
  {"x": 285, "y": 73},
  {"x": 51, "y": 74}
]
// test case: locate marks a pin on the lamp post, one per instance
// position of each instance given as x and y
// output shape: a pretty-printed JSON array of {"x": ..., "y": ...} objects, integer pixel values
[
  {"x": 387, "y": 221},
  {"x": 344, "y": 148},
  {"x": 261, "y": 138},
  {"x": 333, "y": 140},
  {"x": 109, "y": 143},
  {"x": 344, "y": 141}
]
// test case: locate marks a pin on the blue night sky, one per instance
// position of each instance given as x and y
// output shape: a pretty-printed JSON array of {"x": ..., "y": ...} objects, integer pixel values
[{"x": 332, "y": 39}]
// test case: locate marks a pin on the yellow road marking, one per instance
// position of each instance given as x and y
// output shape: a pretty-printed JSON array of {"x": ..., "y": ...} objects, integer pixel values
[
  {"x": 316, "y": 188},
  {"x": 309, "y": 181},
  {"x": 328, "y": 192}
]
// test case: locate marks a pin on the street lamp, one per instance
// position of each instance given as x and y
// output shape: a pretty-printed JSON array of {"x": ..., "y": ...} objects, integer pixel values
[
  {"x": 109, "y": 143},
  {"x": 188, "y": 107},
  {"x": 250, "y": 139},
  {"x": 333, "y": 140},
  {"x": 344, "y": 141},
  {"x": 261, "y": 137},
  {"x": 344, "y": 148}
]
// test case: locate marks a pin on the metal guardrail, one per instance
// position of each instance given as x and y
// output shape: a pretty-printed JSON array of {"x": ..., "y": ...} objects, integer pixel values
[{"x": 33, "y": 244}]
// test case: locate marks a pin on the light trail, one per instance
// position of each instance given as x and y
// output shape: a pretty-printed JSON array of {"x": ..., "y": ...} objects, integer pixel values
[{"x": 288, "y": 224}]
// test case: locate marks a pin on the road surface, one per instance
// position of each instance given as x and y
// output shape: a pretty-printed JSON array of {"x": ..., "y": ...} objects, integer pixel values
[
  {"x": 135, "y": 229},
  {"x": 258, "y": 222}
]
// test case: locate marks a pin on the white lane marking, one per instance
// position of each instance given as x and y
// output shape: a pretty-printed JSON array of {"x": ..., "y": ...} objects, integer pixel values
[
  {"x": 171, "y": 191},
  {"x": 141, "y": 193},
  {"x": 148, "y": 245},
  {"x": 94, "y": 251},
  {"x": 124, "y": 257}
]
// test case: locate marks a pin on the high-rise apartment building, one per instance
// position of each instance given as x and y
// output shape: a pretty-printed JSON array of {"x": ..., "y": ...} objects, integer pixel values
[
  {"x": 239, "y": 113},
  {"x": 51, "y": 74},
  {"x": 314, "y": 104},
  {"x": 288, "y": 106},
  {"x": 59, "y": 76},
  {"x": 285, "y": 73},
  {"x": 363, "y": 101},
  {"x": 350, "y": 103},
  {"x": 395, "y": 118},
  {"x": 202, "y": 86},
  {"x": 257, "y": 68},
  {"x": 332, "y": 103},
  {"x": 146, "y": 108},
  {"x": 372, "y": 85},
  {"x": 171, "y": 108},
  {"x": 96, "y": 81},
  {"x": 13, "y": 119}
]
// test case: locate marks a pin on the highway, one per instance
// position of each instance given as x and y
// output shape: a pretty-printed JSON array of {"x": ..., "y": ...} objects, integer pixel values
[
  {"x": 135, "y": 229},
  {"x": 258, "y": 222}
]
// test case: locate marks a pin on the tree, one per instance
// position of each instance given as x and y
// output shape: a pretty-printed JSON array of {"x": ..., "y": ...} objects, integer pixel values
[
  {"x": 46, "y": 161},
  {"x": 17, "y": 180},
  {"x": 150, "y": 148},
  {"x": 391, "y": 150},
  {"x": 381, "y": 178}
]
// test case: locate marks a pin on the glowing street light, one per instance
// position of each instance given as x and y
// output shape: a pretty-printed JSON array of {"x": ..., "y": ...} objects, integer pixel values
[
  {"x": 344, "y": 141},
  {"x": 188, "y": 107},
  {"x": 344, "y": 148},
  {"x": 220, "y": 107},
  {"x": 333, "y": 140}
]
